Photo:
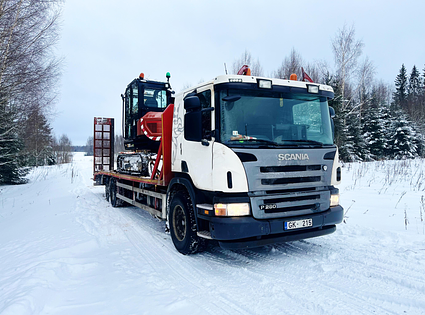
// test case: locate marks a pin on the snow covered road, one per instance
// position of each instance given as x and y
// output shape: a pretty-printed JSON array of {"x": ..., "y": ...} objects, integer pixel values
[{"x": 65, "y": 250}]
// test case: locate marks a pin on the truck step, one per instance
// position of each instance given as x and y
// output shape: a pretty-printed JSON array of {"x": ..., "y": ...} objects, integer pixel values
[{"x": 204, "y": 234}]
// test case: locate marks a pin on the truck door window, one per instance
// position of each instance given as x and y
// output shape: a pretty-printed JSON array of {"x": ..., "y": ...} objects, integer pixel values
[
  {"x": 127, "y": 104},
  {"x": 205, "y": 99},
  {"x": 135, "y": 100}
]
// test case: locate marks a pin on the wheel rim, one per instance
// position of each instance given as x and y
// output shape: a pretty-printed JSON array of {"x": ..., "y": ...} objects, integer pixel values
[{"x": 179, "y": 223}]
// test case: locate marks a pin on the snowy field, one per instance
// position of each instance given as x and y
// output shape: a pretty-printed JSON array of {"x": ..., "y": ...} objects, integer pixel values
[{"x": 65, "y": 250}]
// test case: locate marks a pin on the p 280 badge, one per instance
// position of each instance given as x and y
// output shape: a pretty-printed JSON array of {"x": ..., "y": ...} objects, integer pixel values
[{"x": 268, "y": 206}]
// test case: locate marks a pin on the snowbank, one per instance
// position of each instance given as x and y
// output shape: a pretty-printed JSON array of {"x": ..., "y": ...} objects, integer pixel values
[{"x": 65, "y": 250}]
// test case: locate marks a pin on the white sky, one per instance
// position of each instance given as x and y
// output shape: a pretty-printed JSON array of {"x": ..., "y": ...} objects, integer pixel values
[{"x": 107, "y": 43}]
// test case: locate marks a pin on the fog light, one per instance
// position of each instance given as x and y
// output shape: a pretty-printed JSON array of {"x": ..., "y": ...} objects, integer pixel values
[
  {"x": 334, "y": 200},
  {"x": 232, "y": 209}
]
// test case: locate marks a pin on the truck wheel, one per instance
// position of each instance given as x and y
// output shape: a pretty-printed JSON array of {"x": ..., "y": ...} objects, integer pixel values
[
  {"x": 115, "y": 202},
  {"x": 183, "y": 225}
]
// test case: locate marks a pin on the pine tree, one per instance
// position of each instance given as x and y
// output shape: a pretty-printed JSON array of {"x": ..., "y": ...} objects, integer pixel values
[
  {"x": 387, "y": 119},
  {"x": 419, "y": 141},
  {"x": 414, "y": 84},
  {"x": 354, "y": 145},
  {"x": 348, "y": 135},
  {"x": 10, "y": 146},
  {"x": 37, "y": 138},
  {"x": 373, "y": 128},
  {"x": 401, "y": 88},
  {"x": 402, "y": 142}
]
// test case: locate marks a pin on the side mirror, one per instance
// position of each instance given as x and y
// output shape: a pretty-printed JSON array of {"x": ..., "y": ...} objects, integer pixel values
[
  {"x": 192, "y": 103},
  {"x": 193, "y": 126},
  {"x": 331, "y": 112}
]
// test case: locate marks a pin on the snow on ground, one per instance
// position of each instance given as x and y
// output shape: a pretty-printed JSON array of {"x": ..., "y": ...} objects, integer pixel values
[{"x": 65, "y": 250}]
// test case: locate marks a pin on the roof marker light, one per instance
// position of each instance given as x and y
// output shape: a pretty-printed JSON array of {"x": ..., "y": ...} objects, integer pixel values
[
  {"x": 264, "y": 84},
  {"x": 312, "y": 89}
]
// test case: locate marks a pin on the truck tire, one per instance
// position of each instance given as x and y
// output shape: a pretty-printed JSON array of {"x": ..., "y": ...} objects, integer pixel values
[
  {"x": 183, "y": 224},
  {"x": 107, "y": 189},
  {"x": 115, "y": 202}
]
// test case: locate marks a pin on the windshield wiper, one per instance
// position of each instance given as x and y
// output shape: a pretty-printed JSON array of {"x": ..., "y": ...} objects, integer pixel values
[
  {"x": 253, "y": 140},
  {"x": 306, "y": 142}
]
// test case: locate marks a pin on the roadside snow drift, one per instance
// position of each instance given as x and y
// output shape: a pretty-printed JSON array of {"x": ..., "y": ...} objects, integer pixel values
[{"x": 65, "y": 250}]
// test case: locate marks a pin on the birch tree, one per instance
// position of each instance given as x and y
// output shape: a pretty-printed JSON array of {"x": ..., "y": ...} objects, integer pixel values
[
  {"x": 28, "y": 68},
  {"x": 247, "y": 59},
  {"x": 346, "y": 51},
  {"x": 291, "y": 64}
]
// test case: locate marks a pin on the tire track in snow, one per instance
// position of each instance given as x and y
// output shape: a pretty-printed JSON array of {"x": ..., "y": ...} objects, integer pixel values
[
  {"x": 170, "y": 264},
  {"x": 168, "y": 268},
  {"x": 303, "y": 255},
  {"x": 310, "y": 276},
  {"x": 300, "y": 255}
]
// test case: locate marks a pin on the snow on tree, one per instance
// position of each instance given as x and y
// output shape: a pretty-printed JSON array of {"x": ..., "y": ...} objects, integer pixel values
[
  {"x": 374, "y": 121},
  {"x": 414, "y": 85},
  {"x": 10, "y": 146},
  {"x": 402, "y": 141},
  {"x": 28, "y": 74}
]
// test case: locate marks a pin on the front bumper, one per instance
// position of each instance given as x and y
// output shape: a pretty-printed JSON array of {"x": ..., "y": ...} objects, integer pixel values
[{"x": 248, "y": 232}]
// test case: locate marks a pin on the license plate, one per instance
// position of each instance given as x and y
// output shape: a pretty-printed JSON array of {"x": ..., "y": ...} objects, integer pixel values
[{"x": 299, "y": 224}]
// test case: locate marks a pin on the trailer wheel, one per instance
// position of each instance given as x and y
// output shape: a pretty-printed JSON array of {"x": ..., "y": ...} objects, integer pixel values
[
  {"x": 183, "y": 225},
  {"x": 115, "y": 202}
]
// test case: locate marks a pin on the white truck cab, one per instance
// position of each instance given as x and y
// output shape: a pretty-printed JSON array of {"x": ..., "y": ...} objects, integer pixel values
[{"x": 256, "y": 159}]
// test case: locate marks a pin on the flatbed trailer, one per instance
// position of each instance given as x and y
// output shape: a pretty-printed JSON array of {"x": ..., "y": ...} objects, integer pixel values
[
  {"x": 126, "y": 188},
  {"x": 129, "y": 187}
]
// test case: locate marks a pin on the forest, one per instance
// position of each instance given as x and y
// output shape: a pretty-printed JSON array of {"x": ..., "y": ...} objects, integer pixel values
[
  {"x": 29, "y": 73},
  {"x": 374, "y": 120}
]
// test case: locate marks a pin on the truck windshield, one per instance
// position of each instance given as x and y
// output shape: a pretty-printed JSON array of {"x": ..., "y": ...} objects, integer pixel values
[{"x": 275, "y": 118}]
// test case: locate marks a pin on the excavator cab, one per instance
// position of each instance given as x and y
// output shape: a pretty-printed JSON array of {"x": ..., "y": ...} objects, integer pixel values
[{"x": 143, "y": 96}]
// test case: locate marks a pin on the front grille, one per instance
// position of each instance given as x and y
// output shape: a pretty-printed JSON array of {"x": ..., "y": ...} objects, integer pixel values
[
  {"x": 290, "y": 188},
  {"x": 293, "y": 208},
  {"x": 289, "y": 191},
  {"x": 290, "y": 180},
  {"x": 290, "y": 168},
  {"x": 291, "y": 199}
]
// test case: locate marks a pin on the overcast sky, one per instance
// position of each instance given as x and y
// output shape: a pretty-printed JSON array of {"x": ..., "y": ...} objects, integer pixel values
[{"x": 107, "y": 43}]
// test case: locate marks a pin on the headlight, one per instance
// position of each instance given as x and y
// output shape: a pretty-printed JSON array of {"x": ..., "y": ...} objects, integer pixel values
[
  {"x": 232, "y": 209},
  {"x": 334, "y": 200}
]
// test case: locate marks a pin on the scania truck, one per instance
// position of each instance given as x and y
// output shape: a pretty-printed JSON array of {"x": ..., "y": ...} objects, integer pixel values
[{"x": 240, "y": 160}]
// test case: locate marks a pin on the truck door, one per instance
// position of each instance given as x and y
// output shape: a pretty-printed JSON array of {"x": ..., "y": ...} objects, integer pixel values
[
  {"x": 198, "y": 155},
  {"x": 131, "y": 104}
]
